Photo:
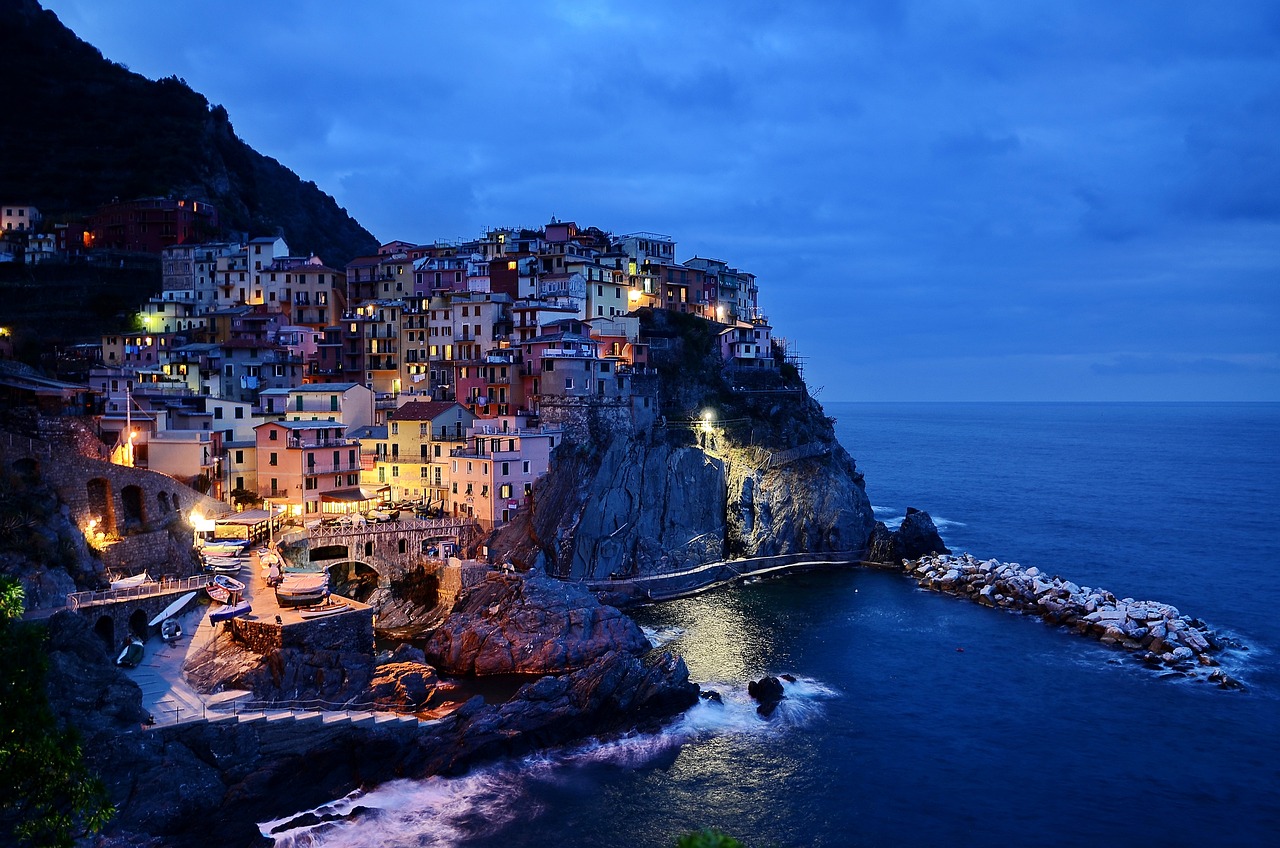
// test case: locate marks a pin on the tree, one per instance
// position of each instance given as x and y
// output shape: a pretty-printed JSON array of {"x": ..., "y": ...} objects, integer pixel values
[{"x": 48, "y": 797}]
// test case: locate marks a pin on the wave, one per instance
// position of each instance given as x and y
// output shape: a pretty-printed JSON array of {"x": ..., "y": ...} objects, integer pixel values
[
  {"x": 893, "y": 522},
  {"x": 441, "y": 811},
  {"x": 661, "y": 636}
]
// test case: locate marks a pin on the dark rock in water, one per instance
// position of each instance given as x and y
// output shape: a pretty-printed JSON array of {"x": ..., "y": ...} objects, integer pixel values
[
  {"x": 790, "y": 678},
  {"x": 768, "y": 691},
  {"x": 712, "y": 695},
  {"x": 529, "y": 624},
  {"x": 918, "y": 535}
]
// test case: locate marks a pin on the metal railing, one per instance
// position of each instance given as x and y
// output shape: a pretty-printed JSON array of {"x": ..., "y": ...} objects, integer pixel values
[
  {"x": 398, "y": 526},
  {"x": 78, "y": 600}
]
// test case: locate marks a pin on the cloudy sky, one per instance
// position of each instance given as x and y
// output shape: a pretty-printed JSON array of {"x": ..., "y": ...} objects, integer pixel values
[{"x": 942, "y": 200}]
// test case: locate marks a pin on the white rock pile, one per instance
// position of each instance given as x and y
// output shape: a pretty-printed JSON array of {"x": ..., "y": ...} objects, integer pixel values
[{"x": 1156, "y": 631}]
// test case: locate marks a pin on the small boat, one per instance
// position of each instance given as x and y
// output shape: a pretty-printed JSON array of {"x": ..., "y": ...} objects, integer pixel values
[
  {"x": 130, "y": 582},
  {"x": 225, "y": 566},
  {"x": 173, "y": 609},
  {"x": 323, "y": 610},
  {"x": 170, "y": 629},
  {"x": 302, "y": 589},
  {"x": 132, "y": 653},
  {"x": 229, "y": 612},
  {"x": 223, "y": 549},
  {"x": 223, "y": 588}
]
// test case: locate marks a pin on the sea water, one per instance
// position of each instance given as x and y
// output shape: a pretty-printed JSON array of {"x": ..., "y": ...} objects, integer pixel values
[{"x": 920, "y": 719}]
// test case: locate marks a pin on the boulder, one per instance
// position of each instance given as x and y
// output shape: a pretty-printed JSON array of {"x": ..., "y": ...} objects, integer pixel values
[
  {"x": 768, "y": 691},
  {"x": 529, "y": 624}
]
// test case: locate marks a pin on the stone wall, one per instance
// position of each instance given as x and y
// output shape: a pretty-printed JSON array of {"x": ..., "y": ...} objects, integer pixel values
[
  {"x": 157, "y": 552},
  {"x": 349, "y": 631},
  {"x": 457, "y": 576}
]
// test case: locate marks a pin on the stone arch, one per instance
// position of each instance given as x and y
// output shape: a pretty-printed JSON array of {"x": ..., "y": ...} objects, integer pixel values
[
  {"x": 138, "y": 623},
  {"x": 162, "y": 500},
  {"x": 105, "y": 628},
  {"x": 27, "y": 466},
  {"x": 176, "y": 501},
  {"x": 355, "y": 579},
  {"x": 135, "y": 507},
  {"x": 101, "y": 504},
  {"x": 329, "y": 552}
]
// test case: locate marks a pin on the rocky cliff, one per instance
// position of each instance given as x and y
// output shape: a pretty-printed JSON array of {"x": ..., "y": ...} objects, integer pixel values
[{"x": 730, "y": 470}]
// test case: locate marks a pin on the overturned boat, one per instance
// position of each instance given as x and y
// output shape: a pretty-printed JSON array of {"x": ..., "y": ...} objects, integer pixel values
[{"x": 302, "y": 589}]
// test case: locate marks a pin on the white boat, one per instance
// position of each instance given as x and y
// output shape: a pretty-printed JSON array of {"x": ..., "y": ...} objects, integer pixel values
[
  {"x": 323, "y": 610},
  {"x": 299, "y": 589},
  {"x": 130, "y": 582},
  {"x": 173, "y": 609},
  {"x": 170, "y": 630}
]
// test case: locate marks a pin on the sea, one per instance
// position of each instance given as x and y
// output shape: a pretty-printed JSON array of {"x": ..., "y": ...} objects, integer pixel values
[{"x": 921, "y": 719}]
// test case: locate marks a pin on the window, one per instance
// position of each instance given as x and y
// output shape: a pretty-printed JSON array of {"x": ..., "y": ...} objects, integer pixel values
[
  {"x": 273, "y": 434},
  {"x": 273, "y": 459},
  {"x": 504, "y": 491},
  {"x": 275, "y": 485},
  {"x": 526, "y": 467},
  {"x": 239, "y": 456},
  {"x": 395, "y": 428},
  {"x": 333, "y": 403},
  {"x": 217, "y": 413},
  {"x": 311, "y": 482},
  {"x": 506, "y": 468},
  {"x": 395, "y": 471},
  {"x": 297, "y": 403},
  {"x": 240, "y": 412},
  {"x": 568, "y": 382}
]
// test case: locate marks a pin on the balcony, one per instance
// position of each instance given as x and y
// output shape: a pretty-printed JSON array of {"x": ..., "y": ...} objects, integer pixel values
[
  {"x": 332, "y": 467},
  {"x": 321, "y": 443}
]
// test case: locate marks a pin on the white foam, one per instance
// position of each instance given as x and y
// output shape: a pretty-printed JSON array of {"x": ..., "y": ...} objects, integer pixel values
[
  {"x": 440, "y": 811},
  {"x": 660, "y": 636}
]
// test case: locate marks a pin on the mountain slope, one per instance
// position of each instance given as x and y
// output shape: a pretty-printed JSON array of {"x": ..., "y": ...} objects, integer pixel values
[{"x": 80, "y": 131}]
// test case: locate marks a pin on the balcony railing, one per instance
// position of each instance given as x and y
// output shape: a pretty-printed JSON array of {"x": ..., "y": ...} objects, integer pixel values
[{"x": 332, "y": 468}]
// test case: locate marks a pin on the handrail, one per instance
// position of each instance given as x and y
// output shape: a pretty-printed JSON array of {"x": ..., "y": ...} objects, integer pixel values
[
  {"x": 76, "y": 600},
  {"x": 241, "y": 706}
]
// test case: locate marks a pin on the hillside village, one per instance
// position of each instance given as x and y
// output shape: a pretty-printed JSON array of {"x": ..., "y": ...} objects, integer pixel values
[{"x": 434, "y": 377}]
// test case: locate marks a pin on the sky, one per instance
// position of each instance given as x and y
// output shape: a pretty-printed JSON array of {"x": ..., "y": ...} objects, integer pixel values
[{"x": 942, "y": 201}]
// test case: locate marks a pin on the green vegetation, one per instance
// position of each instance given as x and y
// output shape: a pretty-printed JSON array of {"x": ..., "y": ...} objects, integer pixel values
[
  {"x": 48, "y": 797},
  {"x": 707, "y": 838}
]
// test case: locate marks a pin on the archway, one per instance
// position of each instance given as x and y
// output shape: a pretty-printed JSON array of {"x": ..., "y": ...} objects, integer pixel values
[
  {"x": 106, "y": 630},
  {"x": 135, "y": 510},
  {"x": 138, "y": 623},
  {"x": 162, "y": 500},
  {"x": 176, "y": 501},
  {"x": 27, "y": 467},
  {"x": 101, "y": 505},
  {"x": 329, "y": 552},
  {"x": 353, "y": 579}
]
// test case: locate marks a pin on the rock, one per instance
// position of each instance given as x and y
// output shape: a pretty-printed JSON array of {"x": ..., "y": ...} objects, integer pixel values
[
  {"x": 529, "y": 624},
  {"x": 768, "y": 691},
  {"x": 712, "y": 695},
  {"x": 403, "y": 684}
]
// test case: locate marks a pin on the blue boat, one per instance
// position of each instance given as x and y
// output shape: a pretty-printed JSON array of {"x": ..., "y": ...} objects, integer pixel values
[{"x": 229, "y": 612}]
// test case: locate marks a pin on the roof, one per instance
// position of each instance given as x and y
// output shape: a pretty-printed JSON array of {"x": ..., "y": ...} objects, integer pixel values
[
  {"x": 420, "y": 410},
  {"x": 368, "y": 433},
  {"x": 324, "y": 387},
  {"x": 326, "y": 424}
]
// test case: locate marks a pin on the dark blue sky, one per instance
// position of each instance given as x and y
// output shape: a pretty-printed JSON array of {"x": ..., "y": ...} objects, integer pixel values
[{"x": 942, "y": 200}]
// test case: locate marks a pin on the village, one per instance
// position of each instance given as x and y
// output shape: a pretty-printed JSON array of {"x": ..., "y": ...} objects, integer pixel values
[{"x": 429, "y": 378}]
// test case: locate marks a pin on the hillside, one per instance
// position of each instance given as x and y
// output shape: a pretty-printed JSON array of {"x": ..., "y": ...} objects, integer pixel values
[{"x": 80, "y": 131}]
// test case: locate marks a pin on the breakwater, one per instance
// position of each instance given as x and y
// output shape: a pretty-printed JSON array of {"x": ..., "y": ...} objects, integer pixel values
[{"x": 1155, "y": 632}]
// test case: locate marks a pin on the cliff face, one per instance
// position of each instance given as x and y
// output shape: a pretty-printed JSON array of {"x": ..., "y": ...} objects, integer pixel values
[{"x": 641, "y": 505}]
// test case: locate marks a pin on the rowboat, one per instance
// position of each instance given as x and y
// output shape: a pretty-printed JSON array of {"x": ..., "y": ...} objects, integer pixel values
[
  {"x": 223, "y": 588},
  {"x": 300, "y": 589},
  {"x": 225, "y": 566},
  {"x": 132, "y": 653},
  {"x": 323, "y": 610},
  {"x": 229, "y": 612},
  {"x": 130, "y": 582}
]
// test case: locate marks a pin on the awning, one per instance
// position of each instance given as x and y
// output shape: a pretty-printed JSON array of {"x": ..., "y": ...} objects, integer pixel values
[{"x": 359, "y": 493}]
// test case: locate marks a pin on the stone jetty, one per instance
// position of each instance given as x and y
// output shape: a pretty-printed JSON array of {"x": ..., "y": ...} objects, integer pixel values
[{"x": 1155, "y": 632}]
